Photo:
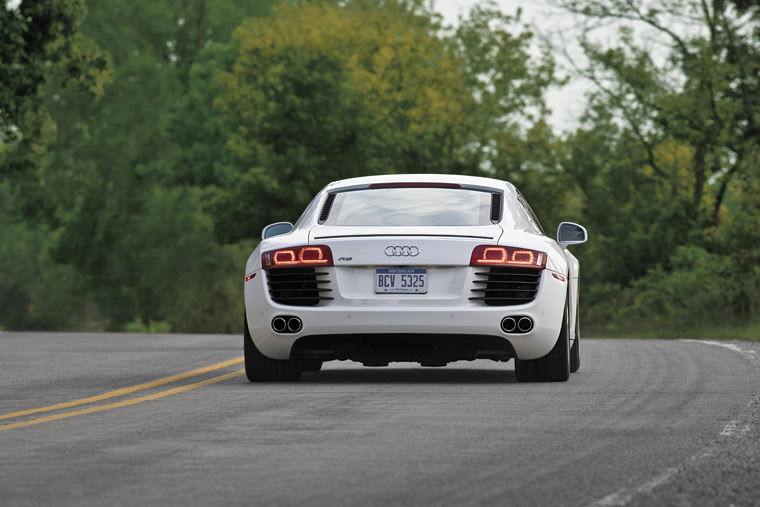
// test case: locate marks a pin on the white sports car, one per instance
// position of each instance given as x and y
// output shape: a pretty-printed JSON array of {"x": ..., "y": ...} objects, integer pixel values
[{"x": 422, "y": 268}]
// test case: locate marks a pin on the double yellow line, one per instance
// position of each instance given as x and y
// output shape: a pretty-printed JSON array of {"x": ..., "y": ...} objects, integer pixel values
[{"x": 121, "y": 392}]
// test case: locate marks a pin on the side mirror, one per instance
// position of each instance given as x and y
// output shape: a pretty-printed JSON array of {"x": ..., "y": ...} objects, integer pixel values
[
  {"x": 276, "y": 229},
  {"x": 569, "y": 233}
]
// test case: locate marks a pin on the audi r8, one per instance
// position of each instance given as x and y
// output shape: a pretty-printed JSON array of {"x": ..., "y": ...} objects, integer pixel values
[{"x": 421, "y": 268}]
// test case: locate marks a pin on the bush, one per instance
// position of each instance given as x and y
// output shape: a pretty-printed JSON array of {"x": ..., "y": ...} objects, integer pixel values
[
  {"x": 138, "y": 326},
  {"x": 695, "y": 288}
]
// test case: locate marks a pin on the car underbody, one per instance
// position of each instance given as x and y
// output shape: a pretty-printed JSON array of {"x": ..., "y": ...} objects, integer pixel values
[{"x": 381, "y": 349}]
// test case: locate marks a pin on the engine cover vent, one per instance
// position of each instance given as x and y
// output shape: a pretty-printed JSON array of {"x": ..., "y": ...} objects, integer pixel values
[
  {"x": 495, "y": 207},
  {"x": 326, "y": 208},
  {"x": 506, "y": 286},
  {"x": 298, "y": 286}
]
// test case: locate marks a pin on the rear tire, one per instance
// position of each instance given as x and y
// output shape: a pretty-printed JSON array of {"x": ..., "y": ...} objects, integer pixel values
[
  {"x": 311, "y": 365},
  {"x": 260, "y": 368},
  {"x": 553, "y": 367},
  {"x": 575, "y": 350}
]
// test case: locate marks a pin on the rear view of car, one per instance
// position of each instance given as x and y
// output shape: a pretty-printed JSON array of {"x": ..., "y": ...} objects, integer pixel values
[{"x": 422, "y": 268}]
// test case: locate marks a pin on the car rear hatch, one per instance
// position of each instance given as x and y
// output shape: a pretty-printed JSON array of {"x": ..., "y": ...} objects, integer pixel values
[{"x": 380, "y": 263}]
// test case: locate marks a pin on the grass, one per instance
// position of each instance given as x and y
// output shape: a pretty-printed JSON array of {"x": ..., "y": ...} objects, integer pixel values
[{"x": 748, "y": 332}]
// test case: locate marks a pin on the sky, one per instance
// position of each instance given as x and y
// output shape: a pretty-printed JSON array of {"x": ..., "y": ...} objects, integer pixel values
[{"x": 567, "y": 102}]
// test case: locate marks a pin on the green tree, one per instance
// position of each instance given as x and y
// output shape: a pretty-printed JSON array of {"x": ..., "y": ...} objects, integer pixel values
[
  {"x": 41, "y": 44},
  {"x": 319, "y": 92},
  {"x": 668, "y": 150},
  {"x": 41, "y": 41},
  {"x": 508, "y": 133},
  {"x": 701, "y": 94},
  {"x": 101, "y": 194}
]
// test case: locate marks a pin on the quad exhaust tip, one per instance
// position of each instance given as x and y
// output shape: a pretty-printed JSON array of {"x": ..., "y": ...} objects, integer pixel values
[
  {"x": 286, "y": 324},
  {"x": 525, "y": 324},
  {"x": 517, "y": 324},
  {"x": 508, "y": 324},
  {"x": 279, "y": 324},
  {"x": 294, "y": 324}
]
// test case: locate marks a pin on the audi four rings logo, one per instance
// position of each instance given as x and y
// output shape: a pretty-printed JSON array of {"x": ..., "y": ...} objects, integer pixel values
[{"x": 402, "y": 251}]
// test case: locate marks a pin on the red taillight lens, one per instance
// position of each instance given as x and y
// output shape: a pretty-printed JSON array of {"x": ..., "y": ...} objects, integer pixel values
[
  {"x": 414, "y": 185},
  {"x": 316, "y": 255},
  {"x": 489, "y": 255}
]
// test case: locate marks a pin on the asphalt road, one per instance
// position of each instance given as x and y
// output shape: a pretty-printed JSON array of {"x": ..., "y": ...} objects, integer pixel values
[{"x": 644, "y": 422}]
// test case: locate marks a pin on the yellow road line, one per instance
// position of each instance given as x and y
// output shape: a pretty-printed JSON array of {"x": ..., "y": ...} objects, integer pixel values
[
  {"x": 125, "y": 403},
  {"x": 126, "y": 390}
]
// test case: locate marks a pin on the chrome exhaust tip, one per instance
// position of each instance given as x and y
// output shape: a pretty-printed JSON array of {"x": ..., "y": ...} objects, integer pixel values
[
  {"x": 279, "y": 324},
  {"x": 525, "y": 324},
  {"x": 508, "y": 324},
  {"x": 294, "y": 324}
]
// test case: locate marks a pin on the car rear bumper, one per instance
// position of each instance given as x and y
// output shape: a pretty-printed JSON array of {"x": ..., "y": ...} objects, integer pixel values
[{"x": 457, "y": 317}]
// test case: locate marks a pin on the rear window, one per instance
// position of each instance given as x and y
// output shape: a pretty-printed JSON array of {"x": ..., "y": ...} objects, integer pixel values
[{"x": 411, "y": 206}]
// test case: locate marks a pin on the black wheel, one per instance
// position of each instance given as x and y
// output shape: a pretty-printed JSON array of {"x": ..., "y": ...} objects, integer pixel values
[
  {"x": 260, "y": 368},
  {"x": 575, "y": 350},
  {"x": 553, "y": 367}
]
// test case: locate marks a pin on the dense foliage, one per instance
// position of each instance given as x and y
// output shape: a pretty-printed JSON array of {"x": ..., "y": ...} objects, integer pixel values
[
  {"x": 140, "y": 158},
  {"x": 669, "y": 163}
]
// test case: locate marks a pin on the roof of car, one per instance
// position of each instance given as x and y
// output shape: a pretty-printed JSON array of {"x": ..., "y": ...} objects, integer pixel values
[{"x": 419, "y": 178}]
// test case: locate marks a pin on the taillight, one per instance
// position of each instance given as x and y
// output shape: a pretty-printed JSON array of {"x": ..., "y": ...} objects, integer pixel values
[
  {"x": 489, "y": 255},
  {"x": 312, "y": 255},
  {"x": 414, "y": 185}
]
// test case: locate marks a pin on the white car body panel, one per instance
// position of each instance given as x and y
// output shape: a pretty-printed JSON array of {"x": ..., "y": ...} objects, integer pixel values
[
  {"x": 445, "y": 246},
  {"x": 444, "y": 251}
]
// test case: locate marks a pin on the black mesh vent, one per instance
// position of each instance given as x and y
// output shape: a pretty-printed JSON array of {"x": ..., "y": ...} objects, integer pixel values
[
  {"x": 506, "y": 286},
  {"x": 495, "y": 207},
  {"x": 298, "y": 286},
  {"x": 326, "y": 208}
]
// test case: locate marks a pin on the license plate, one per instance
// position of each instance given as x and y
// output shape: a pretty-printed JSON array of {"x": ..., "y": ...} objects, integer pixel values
[{"x": 401, "y": 280}]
